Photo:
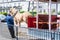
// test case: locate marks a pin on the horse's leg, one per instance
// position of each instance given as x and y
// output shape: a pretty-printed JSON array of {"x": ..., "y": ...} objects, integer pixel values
[
  {"x": 15, "y": 22},
  {"x": 18, "y": 23}
]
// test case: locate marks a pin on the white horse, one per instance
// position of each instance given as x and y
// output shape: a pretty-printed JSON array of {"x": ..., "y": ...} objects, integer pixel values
[{"x": 18, "y": 18}]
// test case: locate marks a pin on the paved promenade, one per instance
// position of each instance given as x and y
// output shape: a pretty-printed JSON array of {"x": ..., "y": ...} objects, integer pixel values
[{"x": 5, "y": 35}]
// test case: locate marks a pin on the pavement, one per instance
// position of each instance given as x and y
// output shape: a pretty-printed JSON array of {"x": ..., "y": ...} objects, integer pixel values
[{"x": 5, "y": 35}]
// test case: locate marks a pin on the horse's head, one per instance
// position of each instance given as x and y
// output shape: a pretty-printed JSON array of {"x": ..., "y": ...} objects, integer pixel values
[{"x": 12, "y": 11}]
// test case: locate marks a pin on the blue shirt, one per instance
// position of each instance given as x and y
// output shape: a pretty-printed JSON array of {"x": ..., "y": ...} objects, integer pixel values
[{"x": 10, "y": 21}]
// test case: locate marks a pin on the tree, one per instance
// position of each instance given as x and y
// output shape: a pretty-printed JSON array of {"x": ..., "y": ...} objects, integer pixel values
[
  {"x": 53, "y": 11},
  {"x": 59, "y": 13}
]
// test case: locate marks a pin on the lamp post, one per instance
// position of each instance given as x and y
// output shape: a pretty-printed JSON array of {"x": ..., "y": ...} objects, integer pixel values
[
  {"x": 29, "y": 6},
  {"x": 32, "y": 7},
  {"x": 49, "y": 15},
  {"x": 37, "y": 14}
]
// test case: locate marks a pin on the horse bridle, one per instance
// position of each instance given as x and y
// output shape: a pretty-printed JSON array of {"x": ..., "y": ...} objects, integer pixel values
[{"x": 15, "y": 14}]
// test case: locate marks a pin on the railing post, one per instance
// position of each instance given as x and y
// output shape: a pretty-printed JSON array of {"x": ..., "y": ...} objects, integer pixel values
[
  {"x": 16, "y": 32},
  {"x": 53, "y": 35},
  {"x": 59, "y": 35}
]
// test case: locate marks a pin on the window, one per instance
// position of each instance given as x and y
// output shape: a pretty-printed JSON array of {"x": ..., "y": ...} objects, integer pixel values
[
  {"x": 24, "y": 6},
  {"x": 9, "y": 0},
  {"x": 4, "y": 0},
  {"x": 1, "y": 0},
  {"x": 14, "y": 0},
  {"x": 53, "y": 9}
]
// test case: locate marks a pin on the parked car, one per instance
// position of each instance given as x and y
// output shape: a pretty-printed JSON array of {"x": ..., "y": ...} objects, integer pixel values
[{"x": 2, "y": 18}]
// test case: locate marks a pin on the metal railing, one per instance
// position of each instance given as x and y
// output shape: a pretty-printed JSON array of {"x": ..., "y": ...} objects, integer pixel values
[{"x": 36, "y": 34}]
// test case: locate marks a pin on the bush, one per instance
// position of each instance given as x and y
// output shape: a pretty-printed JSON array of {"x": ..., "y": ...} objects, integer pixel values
[
  {"x": 33, "y": 13},
  {"x": 59, "y": 13},
  {"x": 0, "y": 12},
  {"x": 4, "y": 13},
  {"x": 21, "y": 11}
]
